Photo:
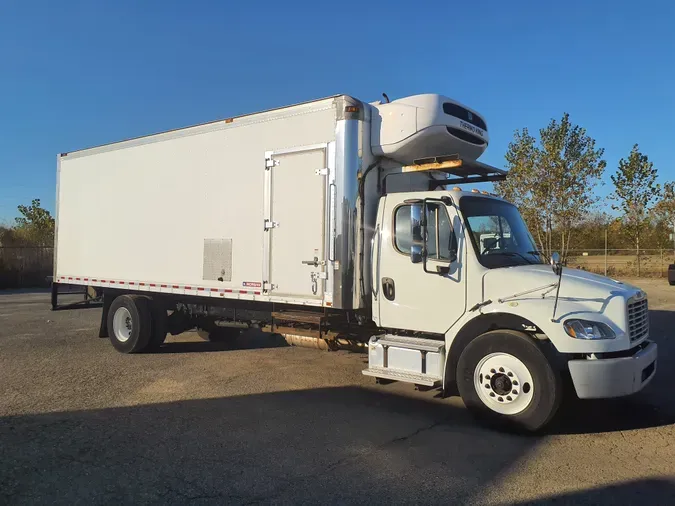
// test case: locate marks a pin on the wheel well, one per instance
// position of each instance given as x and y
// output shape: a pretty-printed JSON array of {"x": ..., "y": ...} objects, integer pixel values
[{"x": 478, "y": 326}]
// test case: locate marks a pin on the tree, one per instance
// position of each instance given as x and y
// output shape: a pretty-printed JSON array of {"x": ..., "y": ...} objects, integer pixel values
[
  {"x": 36, "y": 225},
  {"x": 553, "y": 183},
  {"x": 664, "y": 210},
  {"x": 635, "y": 192}
]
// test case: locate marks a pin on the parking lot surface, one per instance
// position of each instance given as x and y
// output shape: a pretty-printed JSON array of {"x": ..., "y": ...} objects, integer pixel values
[{"x": 262, "y": 422}]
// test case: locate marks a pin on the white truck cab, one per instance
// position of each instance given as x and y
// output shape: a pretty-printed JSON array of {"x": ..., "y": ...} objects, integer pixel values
[{"x": 462, "y": 264}]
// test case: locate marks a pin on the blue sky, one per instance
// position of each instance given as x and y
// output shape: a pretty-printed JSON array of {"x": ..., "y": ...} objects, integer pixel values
[{"x": 79, "y": 73}]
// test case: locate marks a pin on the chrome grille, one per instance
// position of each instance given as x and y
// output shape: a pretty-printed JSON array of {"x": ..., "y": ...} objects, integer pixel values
[{"x": 638, "y": 320}]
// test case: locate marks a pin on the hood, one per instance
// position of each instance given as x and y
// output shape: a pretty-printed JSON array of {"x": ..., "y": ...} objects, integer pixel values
[{"x": 575, "y": 285}]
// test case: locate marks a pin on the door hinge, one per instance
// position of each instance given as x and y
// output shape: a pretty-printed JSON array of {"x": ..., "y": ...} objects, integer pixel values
[
  {"x": 268, "y": 287},
  {"x": 270, "y": 162},
  {"x": 321, "y": 172},
  {"x": 271, "y": 224}
]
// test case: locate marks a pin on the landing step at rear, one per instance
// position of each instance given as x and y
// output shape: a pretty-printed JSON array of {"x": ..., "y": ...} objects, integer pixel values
[{"x": 409, "y": 359}]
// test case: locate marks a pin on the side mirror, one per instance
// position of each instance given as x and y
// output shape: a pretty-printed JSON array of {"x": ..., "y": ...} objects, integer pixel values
[
  {"x": 417, "y": 234},
  {"x": 556, "y": 263}
]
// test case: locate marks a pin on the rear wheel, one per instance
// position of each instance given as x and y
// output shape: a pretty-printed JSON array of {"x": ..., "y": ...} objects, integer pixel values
[
  {"x": 503, "y": 376},
  {"x": 130, "y": 323}
]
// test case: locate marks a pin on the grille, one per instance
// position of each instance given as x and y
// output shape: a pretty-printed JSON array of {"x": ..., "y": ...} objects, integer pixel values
[
  {"x": 465, "y": 136},
  {"x": 638, "y": 320},
  {"x": 459, "y": 112}
]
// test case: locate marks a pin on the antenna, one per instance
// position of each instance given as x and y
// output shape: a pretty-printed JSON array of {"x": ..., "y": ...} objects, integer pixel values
[
  {"x": 386, "y": 97},
  {"x": 557, "y": 269}
]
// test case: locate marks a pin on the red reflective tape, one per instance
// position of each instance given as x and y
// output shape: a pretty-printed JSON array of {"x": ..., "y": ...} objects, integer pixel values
[
  {"x": 94, "y": 280},
  {"x": 143, "y": 284},
  {"x": 164, "y": 286},
  {"x": 257, "y": 293},
  {"x": 112, "y": 282},
  {"x": 103, "y": 281},
  {"x": 188, "y": 288},
  {"x": 131, "y": 283},
  {"x": 200, "y": 289},
  {"x": 77, "y": 279},
  {"x": 175, "y": 286},
  {"x": 121, "y": 282},
  {"x": 227, "y": 290},
  {"x": 214, "y": 289},
  {"x": 70, "y": 278},
  {"x": 86, "y": 279},
  {"x": 243, "y": 291}
]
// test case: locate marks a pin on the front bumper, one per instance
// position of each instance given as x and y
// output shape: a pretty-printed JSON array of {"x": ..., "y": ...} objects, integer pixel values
[{"x": 614, "y": 377}]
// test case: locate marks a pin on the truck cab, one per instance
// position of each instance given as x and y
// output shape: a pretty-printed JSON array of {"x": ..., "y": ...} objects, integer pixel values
[{"x": 465, "y": 298}]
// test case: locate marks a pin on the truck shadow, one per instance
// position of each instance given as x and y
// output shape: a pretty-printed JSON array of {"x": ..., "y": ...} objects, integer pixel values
[
  {"x": 630, "y": 493},
  {"x": 249, "y": 340},
  {"x": 653, "y": 407},
  {"x": 346, "y": 444}
]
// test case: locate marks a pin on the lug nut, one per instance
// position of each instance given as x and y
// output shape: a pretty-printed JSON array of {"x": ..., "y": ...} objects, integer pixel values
[
  {"x": 487, "y": 385},
  {"x": 515, "y": 383},
  {"x": 501, "y": 369},
  {"x": 500, "y": 399},
  {"x": 509, "y": 374},
  {"x": 514, "y": 392},
  {"x": 508, "y": 398},
  {"x": 492, "y": 394},
  {"x": 493, "y": 371},
  {"x": 487, "y": 378}
]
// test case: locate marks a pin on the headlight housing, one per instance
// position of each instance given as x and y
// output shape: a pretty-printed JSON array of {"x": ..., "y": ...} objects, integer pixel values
[{"x": 585, "y": 329}]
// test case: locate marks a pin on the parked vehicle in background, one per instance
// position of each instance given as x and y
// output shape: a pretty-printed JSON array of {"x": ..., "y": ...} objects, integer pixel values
[{"x": 337, "y": 219}]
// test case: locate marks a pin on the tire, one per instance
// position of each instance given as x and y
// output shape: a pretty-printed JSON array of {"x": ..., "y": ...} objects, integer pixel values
[
  {"x": 130, "y": 323},
  {"x": 519, "y": 388},
  {"x": 217, "y": 334}
]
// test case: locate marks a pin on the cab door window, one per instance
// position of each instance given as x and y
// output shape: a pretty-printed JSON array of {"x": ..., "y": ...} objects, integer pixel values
[{"x": 441, "y": 240}]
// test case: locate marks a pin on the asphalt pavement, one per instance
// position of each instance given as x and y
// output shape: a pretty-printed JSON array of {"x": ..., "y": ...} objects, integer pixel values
[{"x": 262, "y": 422}]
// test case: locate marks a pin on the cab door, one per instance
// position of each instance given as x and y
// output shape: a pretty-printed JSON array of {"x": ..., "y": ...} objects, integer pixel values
[{"x": 424, "y": 296}]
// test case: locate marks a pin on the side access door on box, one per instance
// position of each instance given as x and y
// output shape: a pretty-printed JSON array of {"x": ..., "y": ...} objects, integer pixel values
[{"x": 298, "y": 223}]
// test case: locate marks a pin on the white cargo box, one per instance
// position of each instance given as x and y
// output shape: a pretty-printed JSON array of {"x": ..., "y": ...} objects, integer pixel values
[{"x": 227, "y": 209}]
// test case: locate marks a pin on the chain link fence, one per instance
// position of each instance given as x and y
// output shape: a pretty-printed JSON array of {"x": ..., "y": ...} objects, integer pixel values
[
  {"x": 623, "y": 262},
  {"x": 25, "y": 267}
]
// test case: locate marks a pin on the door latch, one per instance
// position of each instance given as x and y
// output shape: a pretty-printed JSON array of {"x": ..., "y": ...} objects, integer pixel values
[
  {"x": 316, "y": 262},
  {"x": 271, "y": 224}
]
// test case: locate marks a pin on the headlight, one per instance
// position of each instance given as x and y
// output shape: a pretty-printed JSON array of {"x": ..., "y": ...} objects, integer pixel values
[{"x": 584, "y": 329}]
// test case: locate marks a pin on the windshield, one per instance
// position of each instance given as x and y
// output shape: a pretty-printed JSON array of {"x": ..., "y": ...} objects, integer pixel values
[{"x": 498, "y": 233}]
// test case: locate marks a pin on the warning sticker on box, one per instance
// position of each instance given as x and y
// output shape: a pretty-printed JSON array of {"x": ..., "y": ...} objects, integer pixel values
[{"x": 252, "y": 284}]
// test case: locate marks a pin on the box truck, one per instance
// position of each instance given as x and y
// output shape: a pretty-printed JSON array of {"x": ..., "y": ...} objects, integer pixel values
[{"x": 337, "y": 219}]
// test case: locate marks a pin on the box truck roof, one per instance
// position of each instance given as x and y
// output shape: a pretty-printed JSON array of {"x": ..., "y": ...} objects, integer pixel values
[{"x": 201, "y": 127}]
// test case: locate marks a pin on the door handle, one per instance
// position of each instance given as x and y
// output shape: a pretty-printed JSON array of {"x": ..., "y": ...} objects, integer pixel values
[
  {"x": 388, "y": 288},
  {"x": 315, "y": 263}
]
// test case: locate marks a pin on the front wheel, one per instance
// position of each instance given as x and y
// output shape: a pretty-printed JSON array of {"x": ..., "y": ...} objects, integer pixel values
[{"x": 503, "y": 376}]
